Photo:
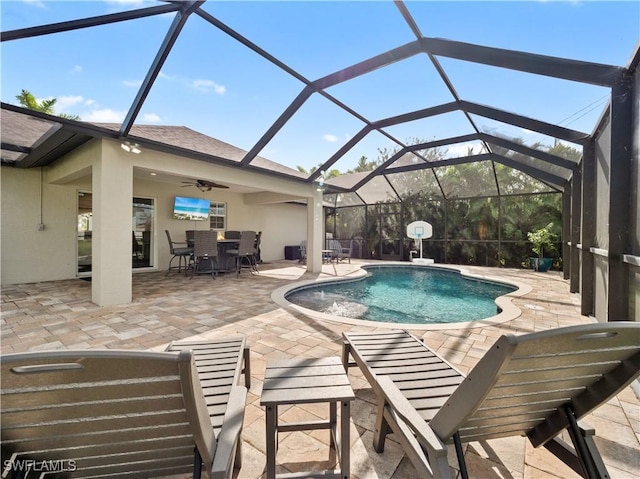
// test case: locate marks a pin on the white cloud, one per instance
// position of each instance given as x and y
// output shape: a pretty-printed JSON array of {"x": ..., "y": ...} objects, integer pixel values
[
  {"x": 77, "y": 69},
  {"x": 527, "y": 132},
  {"x": 330, "y": 138},
  {"x": 105, "y": 115},
  {"x": 127, "y": 2},
  {"x": 164, "y": 76},
  {"x": 132, "y": 83},
  {"x": 89, "y": 102},
  {"x": 64, "y": 102},
  {"x": 206, "y": 85},
  {"x": 151, "y": 118},
  {"x": 462, "y": 149},
  {"x": 36, "y": 3}
]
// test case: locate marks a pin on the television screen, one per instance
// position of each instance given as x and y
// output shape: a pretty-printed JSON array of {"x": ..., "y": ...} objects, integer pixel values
[{"x": 196, "y": 209}]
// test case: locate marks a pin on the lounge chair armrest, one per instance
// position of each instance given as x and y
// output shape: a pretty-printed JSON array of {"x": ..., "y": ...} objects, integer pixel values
[
  {"x": 229, "y": 433},
  {"x": 405, "y": 411}
]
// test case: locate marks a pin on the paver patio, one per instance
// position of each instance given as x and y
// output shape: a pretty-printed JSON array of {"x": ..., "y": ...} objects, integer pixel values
[{"x": 59, "y": 315}]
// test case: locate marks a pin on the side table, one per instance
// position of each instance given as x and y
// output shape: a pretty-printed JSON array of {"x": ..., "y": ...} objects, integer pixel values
[{"x": 308, "y": 380}]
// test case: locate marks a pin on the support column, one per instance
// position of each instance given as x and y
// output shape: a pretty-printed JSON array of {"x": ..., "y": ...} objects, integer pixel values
[
  {"x": 620, "y": 197},
  {"x": 576, "y": 216},
  {"x": 112, "y": 185},
  {"x": 566, "y": 231},
  {"x": 588, "y": 229},
  {"x": 315, "y": 232}
]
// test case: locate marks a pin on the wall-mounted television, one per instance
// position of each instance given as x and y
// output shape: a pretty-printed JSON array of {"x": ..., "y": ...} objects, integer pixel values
[{"x": 195, "y": 209}]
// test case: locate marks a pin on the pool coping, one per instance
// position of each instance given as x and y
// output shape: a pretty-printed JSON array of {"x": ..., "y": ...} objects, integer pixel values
[{"x": 509, "y": 310}]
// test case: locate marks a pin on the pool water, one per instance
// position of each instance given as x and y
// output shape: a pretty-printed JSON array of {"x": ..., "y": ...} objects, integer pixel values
[{"x": 405, "y": 294}]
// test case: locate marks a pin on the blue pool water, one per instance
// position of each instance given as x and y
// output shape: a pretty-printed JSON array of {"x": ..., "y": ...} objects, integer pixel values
[{"x": 405, "y": 294}]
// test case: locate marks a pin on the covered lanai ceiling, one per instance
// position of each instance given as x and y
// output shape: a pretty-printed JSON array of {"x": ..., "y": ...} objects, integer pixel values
[{"x": 448, "y": 124}]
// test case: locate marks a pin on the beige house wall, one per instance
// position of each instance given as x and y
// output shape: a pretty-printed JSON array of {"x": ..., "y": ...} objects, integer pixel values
[{"x": 30, "y": 255}]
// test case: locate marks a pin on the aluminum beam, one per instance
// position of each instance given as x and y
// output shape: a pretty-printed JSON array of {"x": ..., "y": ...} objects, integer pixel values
[
  {"x": 574, "y": 238},
  {"x": 566, "y": 230},
  {"x": 620, "y": 169},
  {"x": 86, "y": 22},
  {"x": 277, "y": 125},
  {"x": 170, "y": 38},
  {"x": 367, "y": 66},
  {"x": 525, "y": 150},
  {"x": 588, "y": 230},
  {"x": 524, "y": 122},
  {"x": 574, "y": 70}
]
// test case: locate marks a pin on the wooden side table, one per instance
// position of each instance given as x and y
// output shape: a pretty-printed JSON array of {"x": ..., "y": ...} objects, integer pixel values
[{"x": 308, "y": 380}]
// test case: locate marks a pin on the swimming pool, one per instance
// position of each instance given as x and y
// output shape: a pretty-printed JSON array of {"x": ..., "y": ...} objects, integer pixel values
[{"x": 404, "y": 294}]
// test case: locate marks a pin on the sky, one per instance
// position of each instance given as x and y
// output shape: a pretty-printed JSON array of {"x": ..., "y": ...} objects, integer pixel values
[{"x": 214, "y": 85}]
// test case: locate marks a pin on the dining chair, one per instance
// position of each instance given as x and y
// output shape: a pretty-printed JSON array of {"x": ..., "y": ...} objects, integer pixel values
[
  {"x": 246, "y": 250},
  {"x": 183, "y": 253},
  {"x": 205, "y": 253}
]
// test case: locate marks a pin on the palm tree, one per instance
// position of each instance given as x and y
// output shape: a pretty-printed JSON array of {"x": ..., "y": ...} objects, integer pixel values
[{"x": 27, "y": 100}]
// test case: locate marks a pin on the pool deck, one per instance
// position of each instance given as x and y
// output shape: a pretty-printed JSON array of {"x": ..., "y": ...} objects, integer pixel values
[{"x": 60, "y": 315}]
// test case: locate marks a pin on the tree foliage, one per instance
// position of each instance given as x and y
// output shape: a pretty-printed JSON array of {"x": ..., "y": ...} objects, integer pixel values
[
  {"x": 29, "y": 101},
  {"x": 481, "y": 212}
]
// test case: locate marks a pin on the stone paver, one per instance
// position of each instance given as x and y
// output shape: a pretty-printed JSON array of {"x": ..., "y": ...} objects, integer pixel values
[{"x": 60, "y": 315}]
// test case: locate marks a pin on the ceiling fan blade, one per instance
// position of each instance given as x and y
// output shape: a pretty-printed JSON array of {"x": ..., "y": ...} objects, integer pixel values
[{"x": 203, "y": 185}]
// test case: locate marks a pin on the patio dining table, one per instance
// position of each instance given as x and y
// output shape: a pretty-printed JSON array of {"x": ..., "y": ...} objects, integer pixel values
[{"x": 225, "y": 262}]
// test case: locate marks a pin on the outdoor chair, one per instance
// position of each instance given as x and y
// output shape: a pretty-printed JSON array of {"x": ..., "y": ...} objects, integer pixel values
[
  {"x": 534, "y": 385},
  {"x": 256, "y": 247},
  {"x": 183, "y": 253},
  {"x": 303, "y": 251},
  {"x": 338, "y": 251},
  {"x": 205, "y": 253},
  {"x": 245, "y": 251},
  {"x": 117, "y": 413},
  {"x": 190, "y": 235}
]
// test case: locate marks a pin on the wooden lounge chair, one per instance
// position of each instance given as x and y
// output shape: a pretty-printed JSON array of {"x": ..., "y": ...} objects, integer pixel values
[
  {"x": 116, "y": 413},
  {"x": 534, "y": 385}
]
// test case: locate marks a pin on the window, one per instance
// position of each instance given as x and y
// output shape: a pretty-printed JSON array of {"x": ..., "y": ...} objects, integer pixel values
[{"x": 218, "y": 216}]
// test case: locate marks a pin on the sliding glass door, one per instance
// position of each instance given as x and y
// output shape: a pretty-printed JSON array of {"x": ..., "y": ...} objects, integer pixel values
[{"x": 142, "y": 237}]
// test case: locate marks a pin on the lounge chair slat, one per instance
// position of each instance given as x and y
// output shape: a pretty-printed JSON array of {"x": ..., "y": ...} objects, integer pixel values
[
  {"x": 395, "y": 355},
  {"x": 41, "y": 398},
  {"x": 422, "y": 370},
  {"x": 403, "y": 382},
  {"x": 442, "y": 376},
  {"x": 118, "y": 447},
  {"x": 149, "y": 468},
  {"x": 535, "y": 387},
  {"x": 555, "y": 374},
  {"x": 577, "y": 358},
  {"x": 137, "y": 406}
]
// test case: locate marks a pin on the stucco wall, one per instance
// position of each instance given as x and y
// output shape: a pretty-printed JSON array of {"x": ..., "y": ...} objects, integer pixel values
[{"x": 28, "y": 255}]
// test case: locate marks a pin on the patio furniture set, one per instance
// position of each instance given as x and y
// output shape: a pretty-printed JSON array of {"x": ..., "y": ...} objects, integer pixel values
[
  {"x": 333, "y": 251},
  {"x": 204, "y": 253},
  {"x": 144, "y": 414}
]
